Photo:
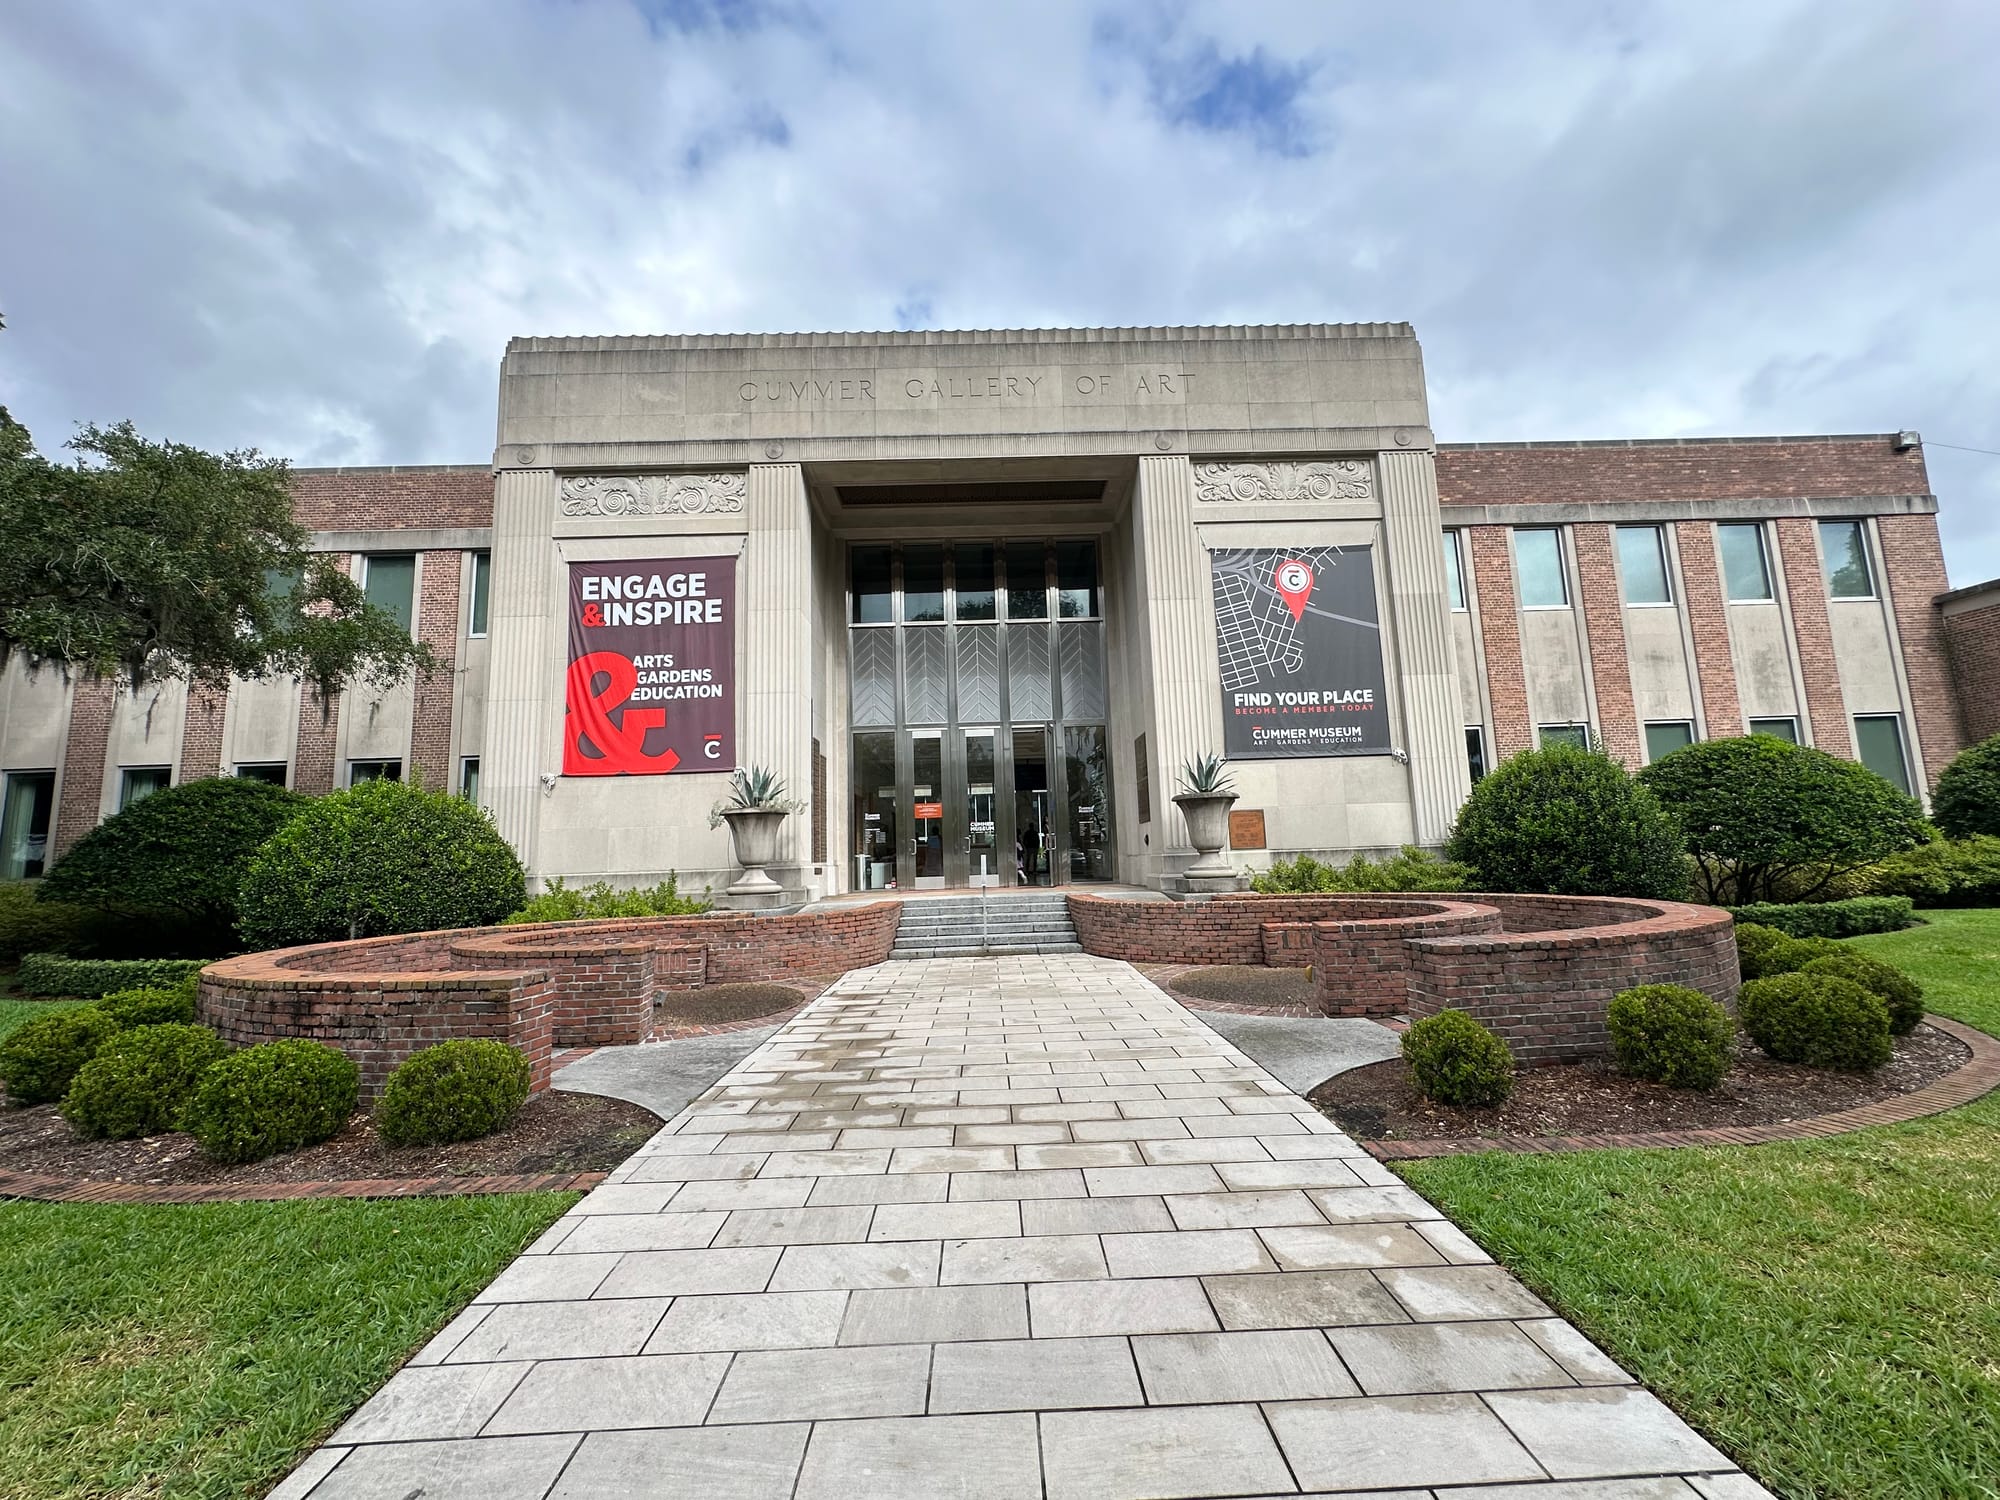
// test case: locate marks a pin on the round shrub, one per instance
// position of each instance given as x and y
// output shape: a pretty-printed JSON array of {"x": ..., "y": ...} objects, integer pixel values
[
  {"x": 275, "y": 1096},
  {"x": 1756, "y": 947},
  {"x": 455, "y": 1091},
  {"x": 1671, "y": 1034},
  {"x": 1903, "y": 996},
  {"x": 1570, "y": 822},
  {"x": 149, "y": 1007},
  {"x": 139, "y": 1080},
  {"x": 1820, "y": 1020},
  {"x": 40, "y": 1060},
  {"x": 1457, "y": 1061},
  {"x": 1967, "y": 799},
  {"x": 1767, "y": 820},
  {"x": 169, "y": 866},
  {"x": 382, "y": 857}
]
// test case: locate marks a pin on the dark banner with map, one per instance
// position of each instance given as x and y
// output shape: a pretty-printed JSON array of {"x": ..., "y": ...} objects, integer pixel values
[
  {"x": 1300, "y": 643},
  {"x": 652, "y": 667}
]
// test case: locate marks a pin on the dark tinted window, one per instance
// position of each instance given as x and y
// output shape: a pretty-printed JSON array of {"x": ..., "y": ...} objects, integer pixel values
[
  {"x": 868, "y": 577},
  {"x": 1076, "y": 578},
  {"x": 923, "y": 584},
  {"x": 973, "y": 565},
  {"x": 1027, "y": 582}
]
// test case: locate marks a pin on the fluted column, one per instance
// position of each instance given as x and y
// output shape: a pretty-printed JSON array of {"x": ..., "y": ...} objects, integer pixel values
[
  {"x": 1180, "y": 634},
  {"x": 774, "y": 677},
  {"x": 524, "y": 685},
  {"x": 1426, "y": 665}
]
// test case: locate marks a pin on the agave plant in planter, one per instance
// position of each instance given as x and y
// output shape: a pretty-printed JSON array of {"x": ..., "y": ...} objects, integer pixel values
[
  {"x": 1205, "y": 797},
  {"x": 755, "y": 807}
]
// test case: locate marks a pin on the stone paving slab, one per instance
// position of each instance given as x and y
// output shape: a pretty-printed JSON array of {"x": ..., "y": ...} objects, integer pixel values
[{"x": 1021, "y": 1228}]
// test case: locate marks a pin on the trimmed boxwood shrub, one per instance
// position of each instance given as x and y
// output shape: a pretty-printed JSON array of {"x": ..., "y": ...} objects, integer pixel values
[
  {"x": 1820, "y": 1020},
  {"x": 275, "y": 1096},
  {"x": 1945, "y": 872},
  {"x": 455, "y": 1091},
  {"x": 1898, "y": 991},
  {"x": 1967, "y": 799},
  {"x": 91, "y": 978},
  {"x": 1831, "y": 919},
  {"x": 149, "y": 1007},
  {"x": 1757, "y": 948},
  {"x": 1456, "y": 1061},
  {"x": 170, "y": 865},
  {"x": 1572, "y": 823},
  {"x": 1671, "y": 1034},
  {"x": 29, "y": 925},
  {"x": 138, "y": 1081},
  {"x": 382, "y": 857},
  {"x": 41, "y": 1059}
]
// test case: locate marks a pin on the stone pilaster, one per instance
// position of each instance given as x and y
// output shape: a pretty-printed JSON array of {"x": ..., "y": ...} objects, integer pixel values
[
  {"x": 524, "y": 691},
  {"x": 1426, "y": 666},
  {"x": 1179, "y": 614},
  {"x": 774, "y": 674}
]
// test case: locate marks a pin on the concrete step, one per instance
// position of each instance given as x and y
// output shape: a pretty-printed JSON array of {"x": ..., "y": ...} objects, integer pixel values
[{"x": 976, "y": 951}]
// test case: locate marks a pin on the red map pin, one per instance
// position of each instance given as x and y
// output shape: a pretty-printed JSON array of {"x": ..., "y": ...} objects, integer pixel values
[{"x": 1294, "y": 583}]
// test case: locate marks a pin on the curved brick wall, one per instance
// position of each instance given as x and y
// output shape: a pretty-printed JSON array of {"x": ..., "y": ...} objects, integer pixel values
[{"x": 535, "y": 987}]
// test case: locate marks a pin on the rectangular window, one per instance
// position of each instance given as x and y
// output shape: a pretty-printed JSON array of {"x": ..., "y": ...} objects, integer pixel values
[
  {"x": 482, "y": 589},
  {"x": 923, "y": 585},
  {"x": 1076, "y": 580},
  {"x": 1664, "y": 737},
  {"x": 389, "y": 579},
  {"x": 1879, "y": 739},
  {"x": 359, "y": 771},
  {"x": 869, "y": 581},
  {"x": 272, "y": 771},
  {"x": 1746, "y": 576},
  {"x": 137, "y": 783},
  {"x": 1777, "y": 729},
  {"x": 1475, "y": 750},
  {"x": 1577, "y": 735},
  {"x": 1454, "y": 575},
  {"x": 972, "y": 581},
  {"x": 1027, "y": 582},
  {"x": 1642, "y": 564},
  {"x": 1538, "y": 564},
  {"x": 468, "y": 778},
  {"x": 1844, "y": 546},
  {"x": 24, "y": 823}
]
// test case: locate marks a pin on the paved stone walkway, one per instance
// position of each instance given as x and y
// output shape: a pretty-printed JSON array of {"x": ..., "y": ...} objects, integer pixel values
[{"x": 1008, "y": 1229}]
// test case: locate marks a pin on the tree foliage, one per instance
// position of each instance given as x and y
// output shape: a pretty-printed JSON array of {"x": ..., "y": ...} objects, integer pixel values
[
  {"x": 155, "y": 559},
  {"x": 1769, "y": 820},
  {"x": 1968, "y": 791}
]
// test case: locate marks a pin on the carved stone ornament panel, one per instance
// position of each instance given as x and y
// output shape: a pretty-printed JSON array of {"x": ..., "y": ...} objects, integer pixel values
[
  {"x": 1335, "y": 479},
  {"x": 652, "y": 494}
]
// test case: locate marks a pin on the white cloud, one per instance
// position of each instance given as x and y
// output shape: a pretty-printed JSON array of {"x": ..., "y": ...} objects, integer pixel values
[{"x": 313, "y": 227}]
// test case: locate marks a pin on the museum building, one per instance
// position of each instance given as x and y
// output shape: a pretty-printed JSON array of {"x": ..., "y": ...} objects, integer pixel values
[{"x": 979, "y": 596}]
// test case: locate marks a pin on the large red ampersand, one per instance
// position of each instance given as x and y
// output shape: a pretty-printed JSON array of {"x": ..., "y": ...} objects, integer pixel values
[{"x": 621, "y": 744}]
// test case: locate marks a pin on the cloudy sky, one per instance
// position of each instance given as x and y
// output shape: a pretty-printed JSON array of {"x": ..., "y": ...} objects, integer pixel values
[{"x": 311, "y": 227}]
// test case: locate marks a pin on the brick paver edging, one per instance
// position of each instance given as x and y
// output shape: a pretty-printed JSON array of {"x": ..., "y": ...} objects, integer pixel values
[
  {"x": 85, "y": 1190},
  {"x": 1979, "y": 1076}
]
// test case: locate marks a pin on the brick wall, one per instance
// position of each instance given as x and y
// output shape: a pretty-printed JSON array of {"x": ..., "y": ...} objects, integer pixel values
[
  {"x": 1708, "y": 624},
  {"x": 1972, "y": 637},
  {"x": 1500, "y": 633},
  {"x": 1805, "y": 586},
  {"x": 1604, "y": 627},
  {"x": 1361, "y": 965},
  {"x": 313, "y": 769},
  {"x": 1224, "y": 930},
  {"x": 1755, "y": 469},
  {"x": 437, "y": 627},
  {"x": 201, "y": 731},
  {"x": 1913, "y": 563},
  {"x": 386, "y": 499},
  {"x": 81, "y": 793}
]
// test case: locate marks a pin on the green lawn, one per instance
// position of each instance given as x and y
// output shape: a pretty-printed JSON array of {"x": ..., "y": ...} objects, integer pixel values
[
  {"x": 1828, "y": 1312},
  {"x": 15, "y": 1014},
  {"x": 199, "y": 1351}
]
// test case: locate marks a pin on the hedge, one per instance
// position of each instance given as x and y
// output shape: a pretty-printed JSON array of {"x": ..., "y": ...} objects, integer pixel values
[
  {"x": 1831, "y": 919},
  {"x": 93, "y": 978}
]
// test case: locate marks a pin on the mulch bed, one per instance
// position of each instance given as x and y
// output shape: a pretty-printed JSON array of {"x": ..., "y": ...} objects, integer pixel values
[
  {"x": 1251, "y": 987},
  {"x": 554, "y": 1132},
  {"x": 726, "y": 1007},
  {"x": 1379, "y": 1102}
]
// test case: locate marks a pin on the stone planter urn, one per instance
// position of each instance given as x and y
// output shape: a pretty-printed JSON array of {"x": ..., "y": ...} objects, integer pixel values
[
  {"x": 1207, "y": 818},
  {"x": 753, "y": 836}
]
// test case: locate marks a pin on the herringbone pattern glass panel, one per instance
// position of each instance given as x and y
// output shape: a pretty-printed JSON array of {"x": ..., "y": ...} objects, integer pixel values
[
  {"x": 927, "y": 676},
  {"x": 872, "y": 690},
  {"x": 1028, "y": 696},
  {"x": 978, "y": 674},
  {"x": 1082, "y": 656}
]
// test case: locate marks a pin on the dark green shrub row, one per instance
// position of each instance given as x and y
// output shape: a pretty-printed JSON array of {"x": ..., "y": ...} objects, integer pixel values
[
  {"x": 151, "y": 1007},
  {"x": 1946, "y": 872},
  {"x": 138, "y": 1081},
  {"x": 89, "y": 978},
  {"x": 1820, "y": 1020},
  {"x": 1457, "y": 1061},
  {"x": 455, "y": 1091},
  {"x": 1671, "y": 1034},
  {"x": 561, "y": 904},
  {"x": 1413, "y": 869},
  {"x": 30, "y": 925},
  {"x": 1830, "y": 919}
]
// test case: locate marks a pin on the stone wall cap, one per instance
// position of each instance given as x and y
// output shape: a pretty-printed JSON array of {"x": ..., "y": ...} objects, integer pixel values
[{"x": 921, "y": 338}]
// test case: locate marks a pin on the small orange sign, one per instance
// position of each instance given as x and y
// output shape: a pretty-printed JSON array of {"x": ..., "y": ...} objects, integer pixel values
[
  {"x": 929, "y": 810},
  {"x": 1246, "y": 828}
]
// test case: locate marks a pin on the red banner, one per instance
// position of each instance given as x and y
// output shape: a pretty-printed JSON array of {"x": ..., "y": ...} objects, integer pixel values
[{"x": 652, "y": 667}]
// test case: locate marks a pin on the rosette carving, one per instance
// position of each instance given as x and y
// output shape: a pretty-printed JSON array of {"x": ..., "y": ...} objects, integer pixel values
[
  {"x": 652, "y": 494},
  {"x": 1334, "y": 479}
]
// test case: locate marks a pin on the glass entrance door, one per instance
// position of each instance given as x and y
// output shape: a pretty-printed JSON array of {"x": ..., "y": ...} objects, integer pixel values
[
  {"x": 1035, "y": 860},
  {"x": 926, "y": 801},
  {"x": 981, "y": 842}
]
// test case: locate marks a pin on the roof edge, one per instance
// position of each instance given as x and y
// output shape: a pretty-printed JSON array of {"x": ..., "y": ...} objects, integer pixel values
[{"x": 918, "y": 338}]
